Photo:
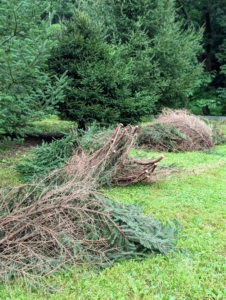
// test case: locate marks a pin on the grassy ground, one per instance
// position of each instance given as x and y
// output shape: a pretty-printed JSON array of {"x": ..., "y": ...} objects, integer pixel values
[
  {"x": 11, "y": 152},
  {"x": 196, "y": 197},
  {"x": 52, "y": 125}
]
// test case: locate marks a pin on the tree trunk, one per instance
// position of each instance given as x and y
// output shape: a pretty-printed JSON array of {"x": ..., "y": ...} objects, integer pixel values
[{"x": 208, "y": 33}]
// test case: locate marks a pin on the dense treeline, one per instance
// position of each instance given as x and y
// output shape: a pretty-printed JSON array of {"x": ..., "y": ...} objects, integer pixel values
[
  {"x": 109, "y": 61},
  {"x": 209, "y": 14}
]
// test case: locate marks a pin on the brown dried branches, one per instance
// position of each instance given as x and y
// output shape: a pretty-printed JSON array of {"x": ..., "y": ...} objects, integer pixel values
[
  {"x": 63, "y": 219},
  {"x": 44, "y": 231},
  {"x": 198, "y": 134},
  {"x": 176, "y": 130},
  {"x": 111, "y": 163}
]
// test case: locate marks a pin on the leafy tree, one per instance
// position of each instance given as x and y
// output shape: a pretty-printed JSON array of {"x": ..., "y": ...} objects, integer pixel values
[
  {"x": 26, "y": 90},
  {"x": 99, "y": 87},
  {"x": 164, "y": 55},
  {"x": 211, "y": 15}
]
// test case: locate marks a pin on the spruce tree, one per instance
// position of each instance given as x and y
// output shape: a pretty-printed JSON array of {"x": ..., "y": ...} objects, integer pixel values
[
  {"x": 164, "y": 55},
  {"x": 99, "y": 88},
  {"x": 27, "y": 90}
]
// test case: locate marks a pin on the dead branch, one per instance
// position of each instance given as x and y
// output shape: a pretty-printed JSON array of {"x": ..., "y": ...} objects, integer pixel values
[{"x": 63, "y": 220}]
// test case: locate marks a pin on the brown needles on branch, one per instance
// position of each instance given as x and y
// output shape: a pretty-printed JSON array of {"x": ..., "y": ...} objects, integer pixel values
[
  {"x": 176, "y": 130},
  {"x": 199, "y": 136},
  {"x": 63, "y": 220},
  {"x": 111, "y": 163}
]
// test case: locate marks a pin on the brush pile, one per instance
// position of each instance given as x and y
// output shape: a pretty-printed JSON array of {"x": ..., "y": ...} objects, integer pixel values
[
  {"x": 177, "y": 130},
  {"x": 63, "y": 220},
  {"x": 111, "y": 163}
]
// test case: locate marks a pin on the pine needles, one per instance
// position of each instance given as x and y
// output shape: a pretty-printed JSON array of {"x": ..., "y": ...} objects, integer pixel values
[
  {"x": 63, "y": 220},
  {"x": 176, "y": 130},
  {"x": 160, "y": 137},
  {"x": 43, "y": 230}
]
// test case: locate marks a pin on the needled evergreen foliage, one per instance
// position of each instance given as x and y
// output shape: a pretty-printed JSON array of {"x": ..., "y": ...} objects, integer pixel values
[
  {"x": 27, "y": 90},
  {"x": 94, "y": 137},
  {"x": 161, "y": 137},
  {"x": 50, "y": 156},
  {"x": 164, "y": 55},
  {"x": 54, "y": 226},
  {"x": 100, "y": 80},
  {"x": 64, "y": 221},
  {"x": 179, "y": 130},
  {"x": 47, "y": 157}
]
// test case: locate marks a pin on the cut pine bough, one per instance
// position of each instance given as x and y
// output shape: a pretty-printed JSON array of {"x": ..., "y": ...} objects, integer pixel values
[
  {"x": 135, "y": 171},
  {"x": 111, "y": 163},
  {"x": 63, "y": 220}
]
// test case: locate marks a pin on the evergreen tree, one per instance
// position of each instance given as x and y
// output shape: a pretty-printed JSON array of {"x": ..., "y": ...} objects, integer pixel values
[
  {"x": 99, "y": 87},
  {"x": 59, "y": 10},
  {"x": 164, "y": 55},
  {"x": 26, "y": 90},
  {"x": 221, "y": 56}
]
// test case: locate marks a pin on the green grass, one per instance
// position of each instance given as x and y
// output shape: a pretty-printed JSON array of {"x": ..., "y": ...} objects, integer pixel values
[
  {"x": 196, "y": 197},
  {"x": 53, "y": 125},
  {"x": 186, "y": 159},
  {"x": 11, "y": 152},
  {"x": 8, "y": 160}
]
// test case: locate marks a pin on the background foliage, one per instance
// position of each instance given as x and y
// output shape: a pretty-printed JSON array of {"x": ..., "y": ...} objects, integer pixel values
[
  {"x": 98, "y": 78},
  {"x": 211, "y": 16},
  {"x": 27, "y": 89},
  {"x": 123, "y": 60},
  {"x": 163, "y": 55}
]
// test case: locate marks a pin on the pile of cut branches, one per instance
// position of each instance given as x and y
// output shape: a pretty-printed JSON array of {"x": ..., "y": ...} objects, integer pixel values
[
  {"x": 111, "y": 163},
  {"x": 63, "y": 220},
  {"x": 177, "y": 130},
  {"x": 198, "y": 135},
  {"x": 160, "y": 137},
  {"x": 47, "y": 227}
]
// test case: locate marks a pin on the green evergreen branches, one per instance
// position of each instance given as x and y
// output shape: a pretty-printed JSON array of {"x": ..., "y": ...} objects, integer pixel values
[
  {"x": 48, "y": 157},
  {"x": 49, "y": 226},
  {"x": 162, "y": 137},
  {"x": 27, "y": 89},
  {"x": 163, "y": 56}
]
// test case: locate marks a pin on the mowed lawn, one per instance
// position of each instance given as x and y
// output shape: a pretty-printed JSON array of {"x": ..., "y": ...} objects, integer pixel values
[{"x": 196, "y": 197}]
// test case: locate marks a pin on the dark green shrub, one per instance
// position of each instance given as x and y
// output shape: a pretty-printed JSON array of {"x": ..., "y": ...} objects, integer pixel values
[{"x": 99, "y": 79}]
